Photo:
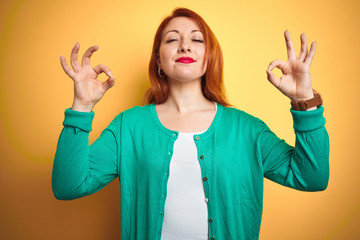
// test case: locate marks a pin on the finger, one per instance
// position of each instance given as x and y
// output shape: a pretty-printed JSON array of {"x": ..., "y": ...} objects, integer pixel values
[
  {"x": 74, "y": 57},
  {"x": 109, "y": 83},
  {"x": 86, "y": 57},
  {"x": 311, "y": 54},
  {"x": 66, "y": 68},
  {"x": 101, "y": 68},
  {"x": 273, "y": 79},
  {"x": 279, "y": 64},
  {"x": 304, "y": 47},
  {"x": 289, "y": 45}
]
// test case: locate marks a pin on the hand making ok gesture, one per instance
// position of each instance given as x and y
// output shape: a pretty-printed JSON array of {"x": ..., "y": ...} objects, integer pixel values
[
  {"x": 88, "y": 90},
  {"x": 295, "y": 82}
]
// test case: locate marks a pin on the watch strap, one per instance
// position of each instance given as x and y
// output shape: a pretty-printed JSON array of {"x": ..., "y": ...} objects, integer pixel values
[{"x": 304, "y": 105}]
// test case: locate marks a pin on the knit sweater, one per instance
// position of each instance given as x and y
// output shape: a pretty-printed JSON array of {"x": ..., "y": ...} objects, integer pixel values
[{"x": 235, "y": 154}]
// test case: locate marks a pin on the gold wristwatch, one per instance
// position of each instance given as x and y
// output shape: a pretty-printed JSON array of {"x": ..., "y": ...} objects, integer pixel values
[{"x": 305, "y": 105}]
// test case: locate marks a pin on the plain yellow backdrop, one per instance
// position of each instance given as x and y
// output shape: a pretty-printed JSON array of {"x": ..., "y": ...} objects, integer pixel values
[{"x": 34, "y": 92}]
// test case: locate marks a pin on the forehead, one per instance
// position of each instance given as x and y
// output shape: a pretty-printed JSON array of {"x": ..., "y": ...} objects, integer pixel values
[{"x": 182, "y": 24}]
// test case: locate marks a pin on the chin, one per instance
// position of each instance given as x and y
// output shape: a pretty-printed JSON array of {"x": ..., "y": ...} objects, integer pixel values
[{"x": 186, "y": 77}]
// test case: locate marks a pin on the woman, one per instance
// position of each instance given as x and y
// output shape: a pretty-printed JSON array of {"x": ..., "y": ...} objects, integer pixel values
[{"x": 190, "y": 166}]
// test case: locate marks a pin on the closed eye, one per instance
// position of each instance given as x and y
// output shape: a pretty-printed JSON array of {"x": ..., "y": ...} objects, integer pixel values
[
  {"x": 170, "y": 40},
  {"x": 197, "y": 40}
]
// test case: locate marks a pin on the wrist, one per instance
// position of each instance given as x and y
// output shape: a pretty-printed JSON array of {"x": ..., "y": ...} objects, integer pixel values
[
  {"x": 82, "y": 107},
  {"x": 312, "y": 108},
  {"x": 303, "y": 97}
]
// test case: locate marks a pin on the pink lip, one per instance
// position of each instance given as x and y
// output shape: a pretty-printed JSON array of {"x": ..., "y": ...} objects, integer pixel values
[{"x": 185, "y": 60}]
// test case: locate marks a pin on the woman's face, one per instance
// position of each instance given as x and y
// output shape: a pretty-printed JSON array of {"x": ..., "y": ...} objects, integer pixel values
[{"x": 182, "y": 50}]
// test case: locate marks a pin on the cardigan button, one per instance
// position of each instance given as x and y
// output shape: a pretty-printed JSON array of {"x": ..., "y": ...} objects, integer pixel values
[
  {"x": 210, "y": 220},
  {"x": 205, "y": 179},
  {"x": 206, "y": 200},
  {"x": 202, "y": 157},
  {"x": 212, "y": 238},
  {"x": 197, "y": 138}
]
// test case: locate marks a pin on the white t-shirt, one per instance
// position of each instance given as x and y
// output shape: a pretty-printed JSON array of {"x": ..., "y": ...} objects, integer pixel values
[{"x": 186, "y": 215}]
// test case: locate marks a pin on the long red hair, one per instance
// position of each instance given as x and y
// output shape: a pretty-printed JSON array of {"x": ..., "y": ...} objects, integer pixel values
[{"x": 212, "y": 83}]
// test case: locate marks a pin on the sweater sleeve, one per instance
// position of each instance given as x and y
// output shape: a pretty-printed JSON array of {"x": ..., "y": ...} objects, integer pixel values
[
  {"x": 303, "y": 167},
  {"x": 80, "y": 169}
]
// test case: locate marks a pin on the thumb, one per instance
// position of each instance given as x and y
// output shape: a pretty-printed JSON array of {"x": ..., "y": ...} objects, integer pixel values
[
  {"x": 271, "y": 76},
  {"x": 273, "y": 79},
  {"x": 109, "y": 83}
]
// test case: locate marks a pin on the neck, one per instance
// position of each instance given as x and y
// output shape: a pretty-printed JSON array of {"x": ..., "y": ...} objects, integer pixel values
[{"x": 186, "y": 97}]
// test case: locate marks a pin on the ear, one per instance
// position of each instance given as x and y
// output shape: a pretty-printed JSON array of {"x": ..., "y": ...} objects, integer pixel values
[{"x": 158, "y": 62}]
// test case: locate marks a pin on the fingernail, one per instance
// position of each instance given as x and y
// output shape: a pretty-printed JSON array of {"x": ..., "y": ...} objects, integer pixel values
[
  {"x": 269, "y": 67},
  {"x": 110, "y": 74}
]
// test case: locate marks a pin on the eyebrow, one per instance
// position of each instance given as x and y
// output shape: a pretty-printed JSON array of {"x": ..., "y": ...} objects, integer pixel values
[{"x": 179, "y": 32}]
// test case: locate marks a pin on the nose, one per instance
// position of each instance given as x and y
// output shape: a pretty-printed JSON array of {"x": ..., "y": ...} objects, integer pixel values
[{"x": 184, "y": 47}]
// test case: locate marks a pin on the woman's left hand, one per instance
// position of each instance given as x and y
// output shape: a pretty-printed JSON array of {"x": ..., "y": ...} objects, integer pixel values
[{"x": 295, "y": 82}]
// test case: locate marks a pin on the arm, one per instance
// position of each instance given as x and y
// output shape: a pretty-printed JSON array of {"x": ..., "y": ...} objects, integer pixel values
[
  {"x": 304, "y": 167},
  {"x": 80, "y": 169}
]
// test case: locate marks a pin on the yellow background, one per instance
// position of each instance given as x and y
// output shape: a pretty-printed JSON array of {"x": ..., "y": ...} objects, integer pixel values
[{"x": 34, "y": 93}]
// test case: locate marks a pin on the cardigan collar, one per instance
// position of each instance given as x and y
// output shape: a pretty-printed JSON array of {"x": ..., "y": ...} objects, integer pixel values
[{"x": 174, "y": 133}]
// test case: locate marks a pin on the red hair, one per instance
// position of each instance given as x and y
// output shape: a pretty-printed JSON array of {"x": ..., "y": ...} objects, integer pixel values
[{"x": 212, "y": 83}]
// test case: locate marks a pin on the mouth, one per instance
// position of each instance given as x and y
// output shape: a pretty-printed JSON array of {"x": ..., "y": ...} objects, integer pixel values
[{"x": 185, "y": 60}]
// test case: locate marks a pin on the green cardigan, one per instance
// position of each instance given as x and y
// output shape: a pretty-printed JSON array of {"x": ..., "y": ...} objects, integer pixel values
[{"x": 235, "y": 154}]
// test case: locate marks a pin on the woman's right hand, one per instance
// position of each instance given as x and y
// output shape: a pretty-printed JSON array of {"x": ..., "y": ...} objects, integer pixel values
[{"x": 88, "y": 90}]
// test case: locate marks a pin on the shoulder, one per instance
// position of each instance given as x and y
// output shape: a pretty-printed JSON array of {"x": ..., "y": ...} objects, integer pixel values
[
  {"x": 134, "y": 112},
  {"x": 134, "y": 115},
  {"x": 234, "y": 114},
  {"x": 242, "y": 121}
]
